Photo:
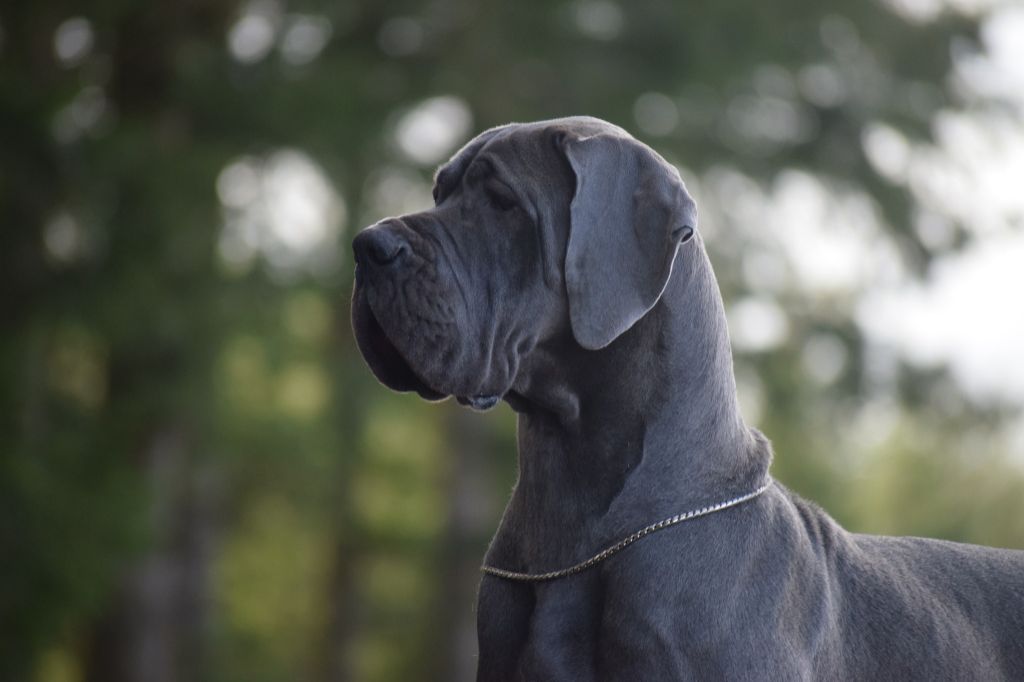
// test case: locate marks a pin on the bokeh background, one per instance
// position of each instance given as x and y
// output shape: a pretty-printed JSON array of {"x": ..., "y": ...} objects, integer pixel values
[{"x": 200, "y": 480}]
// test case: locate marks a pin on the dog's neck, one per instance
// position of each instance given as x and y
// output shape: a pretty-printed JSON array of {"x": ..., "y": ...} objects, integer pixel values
[{"x": 622, "y": 437}]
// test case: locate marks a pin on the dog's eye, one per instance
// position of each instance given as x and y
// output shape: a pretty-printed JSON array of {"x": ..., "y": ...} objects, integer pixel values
[{"x": 500, "y": 196}]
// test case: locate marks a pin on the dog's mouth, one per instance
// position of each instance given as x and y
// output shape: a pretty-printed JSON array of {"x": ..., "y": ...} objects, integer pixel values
[{"x": 385, "y": 360}]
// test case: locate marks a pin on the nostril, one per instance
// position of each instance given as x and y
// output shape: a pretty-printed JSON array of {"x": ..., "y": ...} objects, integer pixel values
[
  {"x": 378, "y": 246},
  {"x": 383, "y": 254}
]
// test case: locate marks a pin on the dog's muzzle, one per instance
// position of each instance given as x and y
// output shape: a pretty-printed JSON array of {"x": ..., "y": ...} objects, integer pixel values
[
  {"x": 381, "y": 251},
  {"x": 384, "y": 258}
]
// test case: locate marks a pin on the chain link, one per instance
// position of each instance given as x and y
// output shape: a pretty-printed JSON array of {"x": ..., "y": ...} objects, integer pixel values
[{"x": 625, "y": 542}]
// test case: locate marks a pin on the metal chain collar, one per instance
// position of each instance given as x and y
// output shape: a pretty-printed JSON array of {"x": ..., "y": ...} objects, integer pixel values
[{"x": 625, "y": 542}]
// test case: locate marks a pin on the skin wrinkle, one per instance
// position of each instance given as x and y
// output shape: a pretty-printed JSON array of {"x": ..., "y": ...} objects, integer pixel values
[
  {"x": 492, "y": 331},
  {"x": 452, "y": 271},
  {"x": 512, "y": 344},
  {"x": 446, "y": 229},
  {"x": 495, "y": 351},
  {"x": 613, "y": 437},
  {"x": 547, "y": 267}
]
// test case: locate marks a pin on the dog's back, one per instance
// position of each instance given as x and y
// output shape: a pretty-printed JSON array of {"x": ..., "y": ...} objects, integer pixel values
[{"x": 915, "y": 608}]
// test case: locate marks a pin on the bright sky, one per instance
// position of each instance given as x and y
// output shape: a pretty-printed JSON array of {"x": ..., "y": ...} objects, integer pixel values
[{"x": 969, "y": 313}]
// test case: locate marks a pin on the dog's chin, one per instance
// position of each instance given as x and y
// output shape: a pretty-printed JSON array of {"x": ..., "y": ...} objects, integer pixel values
[{"x": 383, "y": 357}]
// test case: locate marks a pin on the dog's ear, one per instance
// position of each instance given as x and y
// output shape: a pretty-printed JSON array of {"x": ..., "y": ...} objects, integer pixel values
[{"x": 628, "y": 217}]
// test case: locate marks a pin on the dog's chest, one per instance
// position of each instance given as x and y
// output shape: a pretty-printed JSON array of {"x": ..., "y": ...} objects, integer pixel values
[{"x": 546, "y": 631}]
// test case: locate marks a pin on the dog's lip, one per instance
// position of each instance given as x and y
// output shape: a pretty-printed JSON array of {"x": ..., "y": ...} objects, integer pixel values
[
  {"x": 382, "y": 355},
  {"x": 479, "y": 402}
]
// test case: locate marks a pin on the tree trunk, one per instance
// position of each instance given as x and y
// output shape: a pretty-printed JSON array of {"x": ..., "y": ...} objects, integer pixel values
[{"x": 154, "y": 627}]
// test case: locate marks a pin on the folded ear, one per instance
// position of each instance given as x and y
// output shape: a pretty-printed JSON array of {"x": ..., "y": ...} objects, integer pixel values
[{"x": 627, "y": 219}]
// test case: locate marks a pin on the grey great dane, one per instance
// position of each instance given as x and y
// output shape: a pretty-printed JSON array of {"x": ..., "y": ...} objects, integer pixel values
[{"x": 561, "y": 270}]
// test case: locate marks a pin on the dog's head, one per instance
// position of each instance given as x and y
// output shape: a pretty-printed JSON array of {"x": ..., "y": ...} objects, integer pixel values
[{"x": 566, "y": 227}]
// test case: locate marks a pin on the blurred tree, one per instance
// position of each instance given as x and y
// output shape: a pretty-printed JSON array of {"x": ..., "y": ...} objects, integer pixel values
[{"x": 200, "y": 480}]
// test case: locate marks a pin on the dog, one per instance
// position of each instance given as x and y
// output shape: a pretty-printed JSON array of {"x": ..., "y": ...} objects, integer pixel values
[{"x": 561, "y": 270}]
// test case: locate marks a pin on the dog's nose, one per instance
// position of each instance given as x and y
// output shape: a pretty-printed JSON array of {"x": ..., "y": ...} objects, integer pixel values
[{"x": 379, "y": 245}]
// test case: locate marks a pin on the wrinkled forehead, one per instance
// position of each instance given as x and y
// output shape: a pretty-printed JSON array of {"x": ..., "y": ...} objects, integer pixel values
[{"x": 524, "y": 152}]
